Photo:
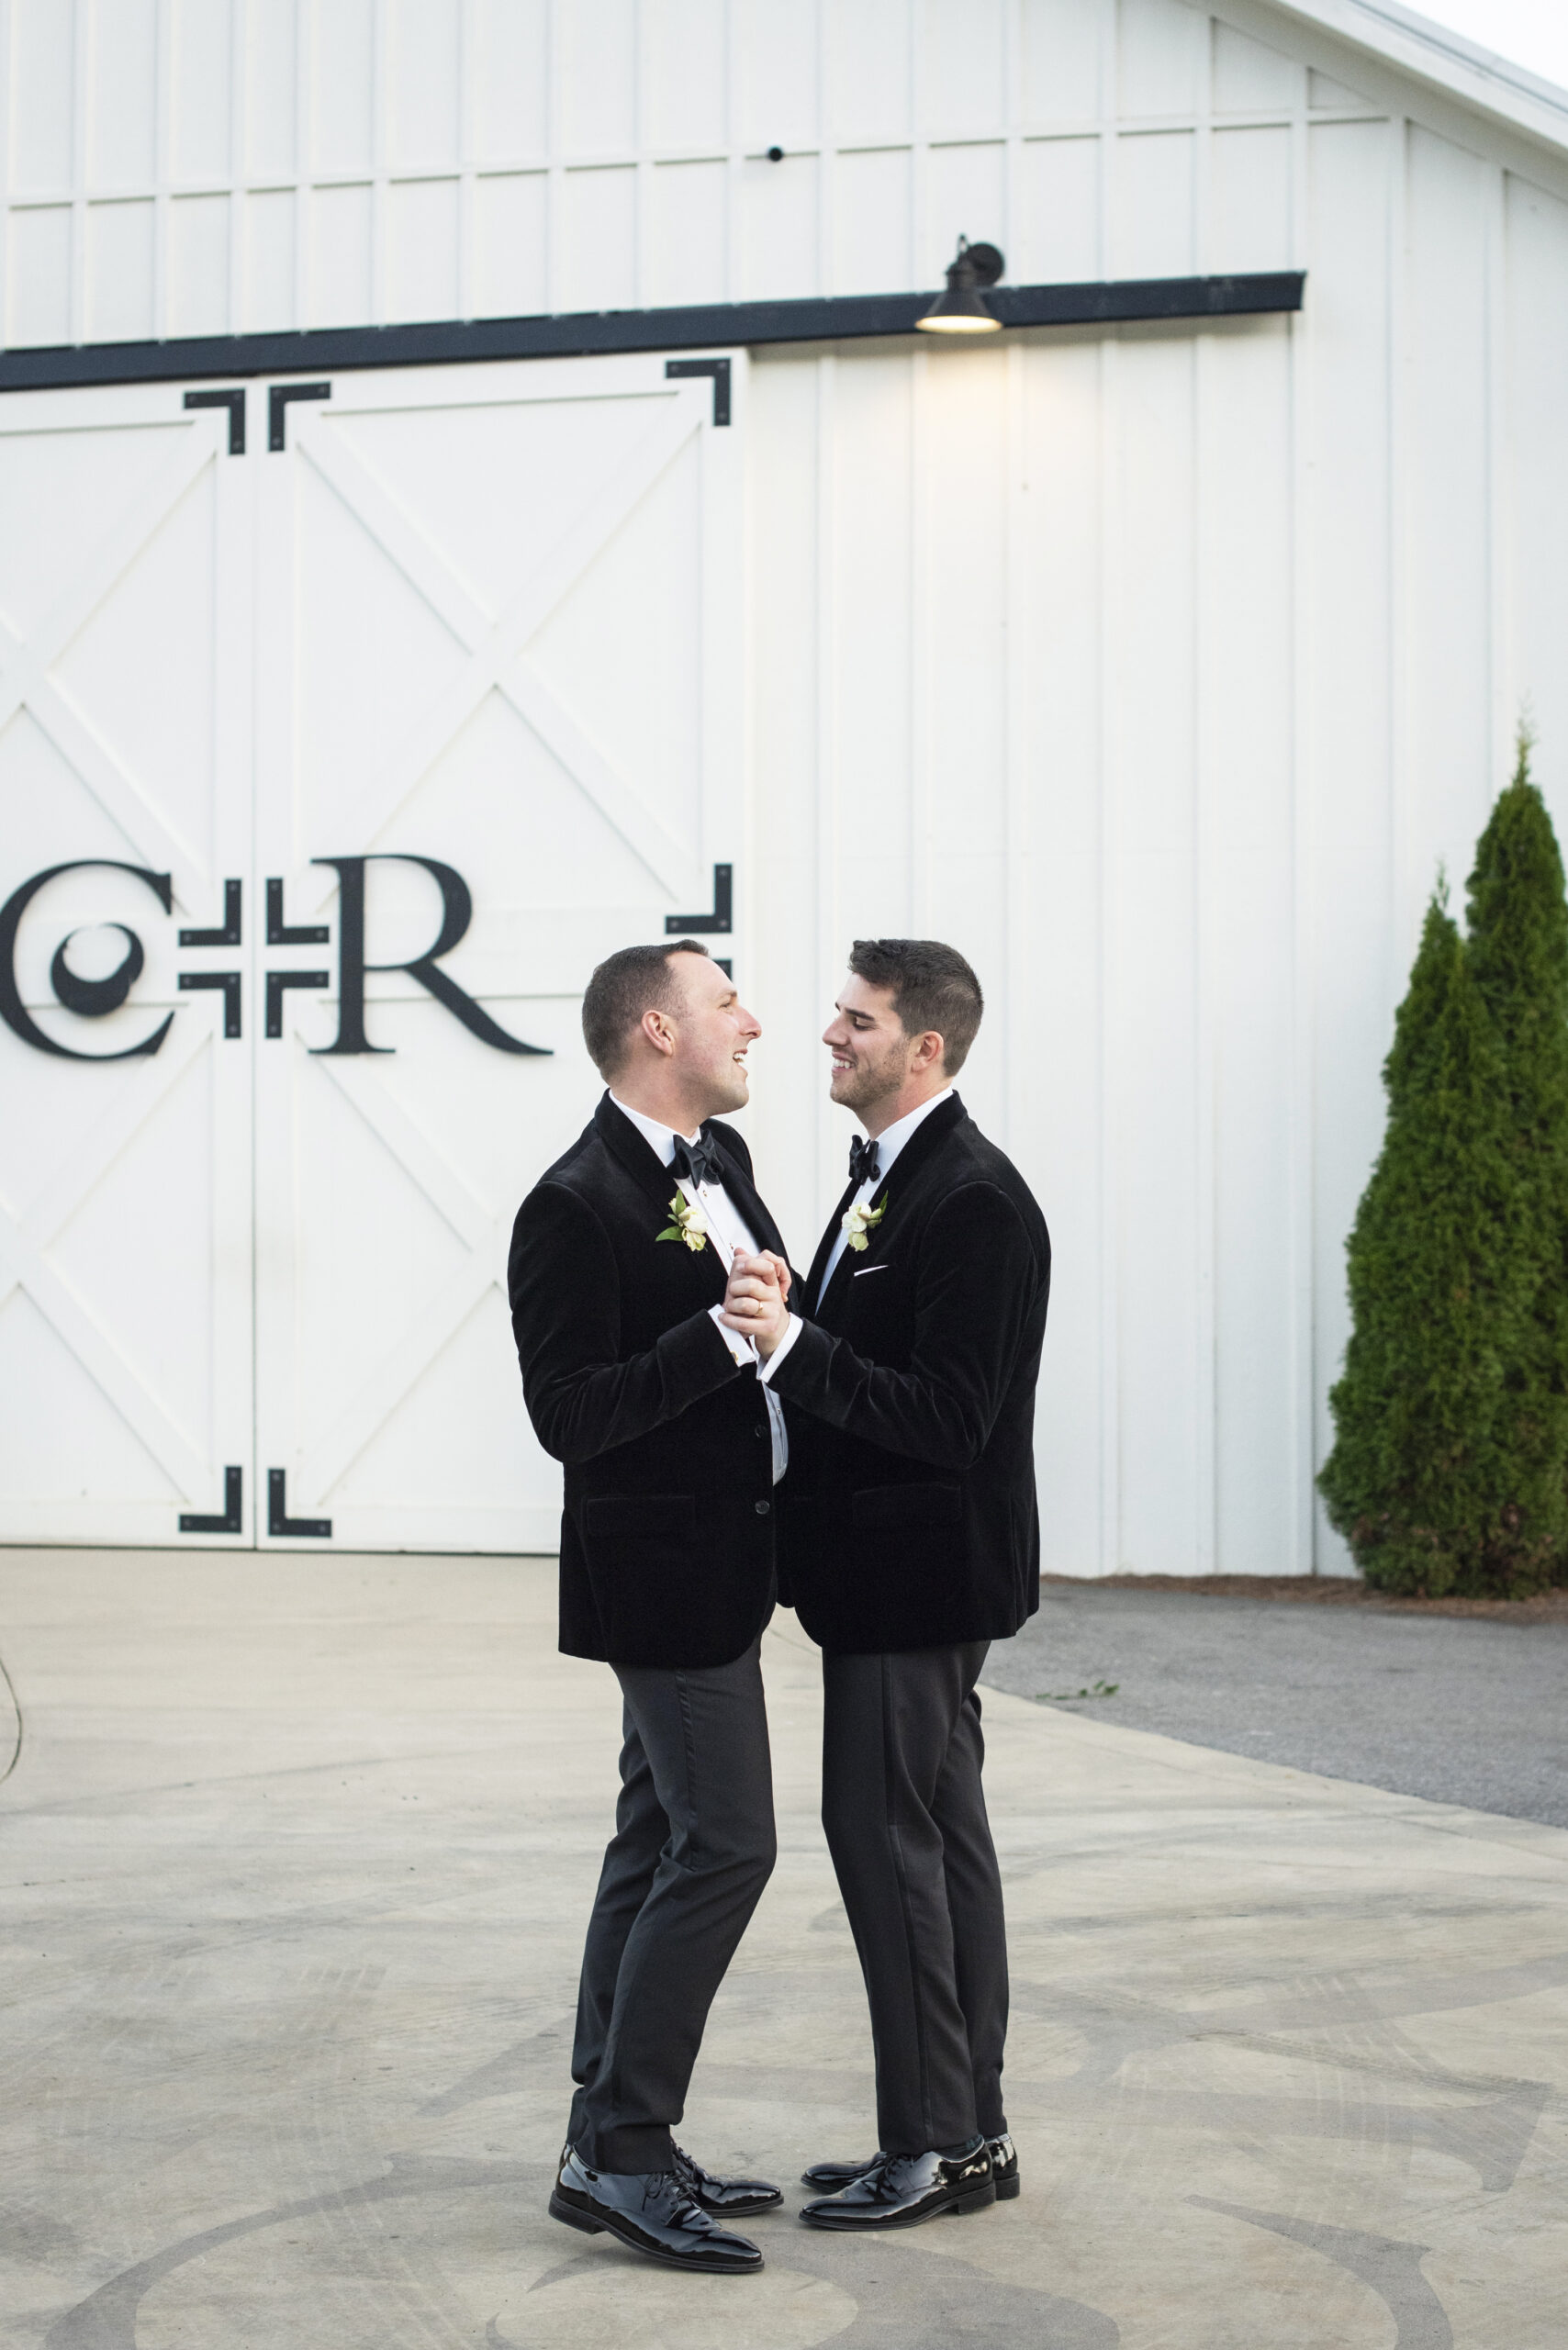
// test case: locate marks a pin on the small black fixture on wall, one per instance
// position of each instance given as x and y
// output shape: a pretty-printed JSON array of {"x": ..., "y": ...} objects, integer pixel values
[{"x": 962, "y": 308}]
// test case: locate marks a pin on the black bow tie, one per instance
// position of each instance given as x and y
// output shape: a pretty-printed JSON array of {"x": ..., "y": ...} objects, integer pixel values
[
  {"x": 697, "y": 1162},
  {"x": 863, "y": 1160}
]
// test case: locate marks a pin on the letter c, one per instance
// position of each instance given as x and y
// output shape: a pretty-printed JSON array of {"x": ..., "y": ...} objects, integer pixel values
[{"x": 13, "y": 1012}]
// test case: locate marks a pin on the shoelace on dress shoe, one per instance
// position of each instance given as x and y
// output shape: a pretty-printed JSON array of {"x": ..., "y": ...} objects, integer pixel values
[
  {"x": 692, "y": 2175},
  {"x": 685, "y": 2205}
]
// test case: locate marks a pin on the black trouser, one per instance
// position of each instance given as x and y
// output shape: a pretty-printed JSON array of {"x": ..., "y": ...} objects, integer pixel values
[
  {"x": 692, "y": 1848},
  {"x": 904, "y": 1812}
]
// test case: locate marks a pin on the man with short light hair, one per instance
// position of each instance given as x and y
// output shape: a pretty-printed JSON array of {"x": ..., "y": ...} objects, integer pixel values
[
  {"x": 671, "y": 1452},
  {"x": 910, "y": 1542}
]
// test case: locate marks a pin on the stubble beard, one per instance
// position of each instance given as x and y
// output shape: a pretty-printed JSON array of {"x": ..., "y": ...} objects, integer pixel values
[{"x": 869, "y": 1084}]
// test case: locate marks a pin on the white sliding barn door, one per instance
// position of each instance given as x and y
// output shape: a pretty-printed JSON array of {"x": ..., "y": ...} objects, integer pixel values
[
  {"x": 351, "y": 725},
  {"x": 125, "y": 1143},
  {"x": 498, "y": 698}
]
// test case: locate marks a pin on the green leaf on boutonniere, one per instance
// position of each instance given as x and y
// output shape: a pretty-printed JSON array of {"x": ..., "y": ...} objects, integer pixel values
[{"x": 688, "y": 1223}]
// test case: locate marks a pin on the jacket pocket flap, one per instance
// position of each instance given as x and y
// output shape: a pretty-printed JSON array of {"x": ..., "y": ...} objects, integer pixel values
[
  {"x": 656, "y": 1517},
  {"x": 890, "y": 1506}
]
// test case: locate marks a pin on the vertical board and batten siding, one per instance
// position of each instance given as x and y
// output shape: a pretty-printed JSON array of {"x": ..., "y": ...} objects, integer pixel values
[
  {"x": 1170, "y": 668},
  {"x": 1158, "y": 667}
]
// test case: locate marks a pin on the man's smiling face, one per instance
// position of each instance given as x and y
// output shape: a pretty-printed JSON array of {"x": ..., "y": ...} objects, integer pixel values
[
  {"x": 714, "y": 1032},
  {"x": 871, "y": 1053}
]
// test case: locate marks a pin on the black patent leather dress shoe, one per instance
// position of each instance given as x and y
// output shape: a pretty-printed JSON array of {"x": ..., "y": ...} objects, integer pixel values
[
  {"x": 901, "y": 2190},
  {"x": 653, "y": 2213},
  {"x": 727, "y": 2199},
  {"x": 828, "y": 2178}
]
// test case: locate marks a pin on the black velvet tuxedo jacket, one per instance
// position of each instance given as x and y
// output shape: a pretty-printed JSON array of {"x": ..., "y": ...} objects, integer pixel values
[
  {"x": 668, "y": 1539},
  {"x": 910, "y": 1519}
]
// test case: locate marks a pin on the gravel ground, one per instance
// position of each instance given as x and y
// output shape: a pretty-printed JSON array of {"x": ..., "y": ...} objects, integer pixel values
[{"x": 1460, "y": 1710}]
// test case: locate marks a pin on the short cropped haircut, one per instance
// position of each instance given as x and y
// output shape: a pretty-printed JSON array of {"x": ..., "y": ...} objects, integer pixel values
[
  {"x": 633, "y": 980},
  {"x": 933, "y": 988}
]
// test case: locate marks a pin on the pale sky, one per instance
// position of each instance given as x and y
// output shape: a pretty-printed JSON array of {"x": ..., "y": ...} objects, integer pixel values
[{"x": 1533, "y": 33}]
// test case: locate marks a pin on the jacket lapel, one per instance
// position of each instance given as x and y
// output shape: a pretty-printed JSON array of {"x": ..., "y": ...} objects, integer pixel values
[
  {"x": 630, "y": 1151},
  {"x": 747, "y": 1198},
  {"x": 926, "y": 1139},
  {"x": 813, "y": 1279},
  {"x": 627, "y": 1146}
]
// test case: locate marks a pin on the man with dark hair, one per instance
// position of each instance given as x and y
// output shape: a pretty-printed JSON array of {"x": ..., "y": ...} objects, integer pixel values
[
  {"x": 910, "y": 1542},
  {"x": 618, "y": 1269},
  {"x": 933, "y": 988}
]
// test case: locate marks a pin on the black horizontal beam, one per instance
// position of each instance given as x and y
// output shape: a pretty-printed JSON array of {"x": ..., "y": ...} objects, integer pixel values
[{"x": 586, "y": 334}]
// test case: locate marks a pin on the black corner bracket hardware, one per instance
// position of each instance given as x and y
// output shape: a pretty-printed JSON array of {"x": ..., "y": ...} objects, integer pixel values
[
  {"x": 191, "y": 981},
  {"x": 278, "y": 398},
  {"x": 706, "y": 926},
  {"x": 200, "y": 1522},
  {"x": 319, "y": 1529},
  {"x": 234, "y": 401},
  {"x": 229, "y": 935},
  {"x": 278, "y": 984},
  {"x": 281, "y": 934},
  {"x": 725, "y": 965},
  {"x": 720, "y": 371}
]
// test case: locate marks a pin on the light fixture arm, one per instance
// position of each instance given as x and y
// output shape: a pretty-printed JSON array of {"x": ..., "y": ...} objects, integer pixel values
[{"x": 984, "y": 263}]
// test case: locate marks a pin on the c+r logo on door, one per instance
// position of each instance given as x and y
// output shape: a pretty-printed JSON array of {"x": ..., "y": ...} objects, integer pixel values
[{"x": 94, "y": 999}]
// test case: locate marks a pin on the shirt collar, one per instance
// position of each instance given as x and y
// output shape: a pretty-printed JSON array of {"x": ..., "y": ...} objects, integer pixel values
[
  {"x": 659, "y": 1139},
  {"x": 891, "y": 1139}
]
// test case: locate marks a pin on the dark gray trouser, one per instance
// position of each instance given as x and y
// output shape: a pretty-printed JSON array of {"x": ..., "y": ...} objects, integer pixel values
[
  {"x": 692, "y": 1848},
  {"x": 904, "y": 1812}
]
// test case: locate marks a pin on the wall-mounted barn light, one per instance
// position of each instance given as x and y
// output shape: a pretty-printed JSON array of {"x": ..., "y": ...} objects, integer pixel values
[{"x": 961, "y": 308}]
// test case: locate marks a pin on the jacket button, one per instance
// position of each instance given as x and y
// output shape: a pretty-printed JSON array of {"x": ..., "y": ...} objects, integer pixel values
[
  {"x": 759, "y": 1431},
  {"x": 763, "y": 1508}
]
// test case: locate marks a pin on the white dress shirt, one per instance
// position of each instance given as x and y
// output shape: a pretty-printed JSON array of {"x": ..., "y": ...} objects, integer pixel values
[
  {"x": 890, "y": 1142},
  {"x": 729, "y": 1231}
]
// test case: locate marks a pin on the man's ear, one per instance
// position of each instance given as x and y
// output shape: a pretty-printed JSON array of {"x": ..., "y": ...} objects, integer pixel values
[{"x": 656, "y": 1028}]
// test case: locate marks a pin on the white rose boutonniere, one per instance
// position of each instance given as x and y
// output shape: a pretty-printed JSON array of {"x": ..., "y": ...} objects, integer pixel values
[
  {"x": 688, "y": 1223},
  {"x": 860, "y": 1222}
]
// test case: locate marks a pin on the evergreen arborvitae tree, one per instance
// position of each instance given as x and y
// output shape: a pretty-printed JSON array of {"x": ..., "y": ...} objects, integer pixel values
[
  {"x": 1430, "y": 1479},
  {"x": 1519, "y": 958}
]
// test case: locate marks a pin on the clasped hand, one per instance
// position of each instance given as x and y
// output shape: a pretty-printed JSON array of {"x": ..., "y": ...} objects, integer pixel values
[{"x": 755, "y": 1300}]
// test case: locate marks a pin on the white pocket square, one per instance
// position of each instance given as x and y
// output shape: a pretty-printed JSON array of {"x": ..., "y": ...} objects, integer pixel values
[{"x": 867, "y": 1268}]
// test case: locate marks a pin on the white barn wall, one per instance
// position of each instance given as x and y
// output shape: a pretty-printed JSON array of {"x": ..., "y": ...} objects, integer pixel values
[
  {"x": 202, "y": 166},
  {"x": 1247, "y": 606},
  {"x": 1160, "y": 667}
]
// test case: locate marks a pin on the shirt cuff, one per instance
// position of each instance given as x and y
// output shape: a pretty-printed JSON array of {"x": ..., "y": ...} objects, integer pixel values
[
  {"x": 741, "y": 1350},
  {"x": 767, "y": 1370}
]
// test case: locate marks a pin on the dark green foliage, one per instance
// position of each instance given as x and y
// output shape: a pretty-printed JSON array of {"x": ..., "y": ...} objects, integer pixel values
[
  {"x": 1518, "y": 957},
  {"x": 1444, "y": 1476}
]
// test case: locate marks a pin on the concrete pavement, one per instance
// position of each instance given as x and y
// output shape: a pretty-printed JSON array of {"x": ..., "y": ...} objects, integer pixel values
[{"x": 296, "y": 1857}]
